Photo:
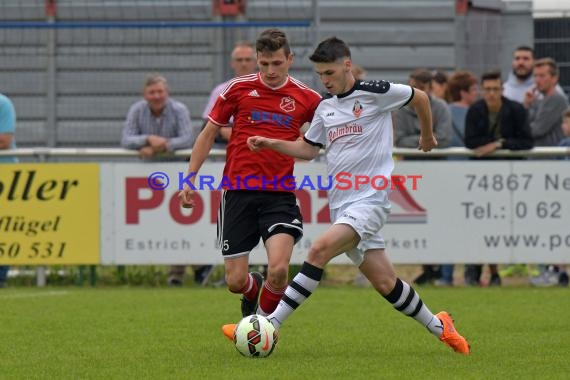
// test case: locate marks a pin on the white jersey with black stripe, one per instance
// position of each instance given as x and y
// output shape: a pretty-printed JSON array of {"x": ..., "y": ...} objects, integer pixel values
[{"x": 356, "y": 130}]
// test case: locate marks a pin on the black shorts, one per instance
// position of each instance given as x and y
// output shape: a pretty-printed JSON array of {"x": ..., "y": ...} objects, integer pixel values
[{"x": 245, "y": 216}]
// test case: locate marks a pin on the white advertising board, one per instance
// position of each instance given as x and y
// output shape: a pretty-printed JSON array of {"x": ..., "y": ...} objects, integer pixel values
[{"x": 444, "y": 212}]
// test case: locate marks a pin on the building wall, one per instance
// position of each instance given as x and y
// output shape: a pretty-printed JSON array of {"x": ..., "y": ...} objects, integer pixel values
[{"x": 97, "y": 73}]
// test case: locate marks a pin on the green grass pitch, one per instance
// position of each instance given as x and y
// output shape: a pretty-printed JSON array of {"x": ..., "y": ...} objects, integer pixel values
[{"x": 340, "y": 333}]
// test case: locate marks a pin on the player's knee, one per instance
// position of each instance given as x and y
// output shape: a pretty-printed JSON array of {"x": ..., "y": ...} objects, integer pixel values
[
  {"x": 384, "y": 284},
  {"x": 319, "y": 253},
  {"x": 235, "y": 281},
  {"x": 277, "y": 275}
]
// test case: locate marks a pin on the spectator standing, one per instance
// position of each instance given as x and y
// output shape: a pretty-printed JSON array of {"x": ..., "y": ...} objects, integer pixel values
[
  {"x": 463, "y": 92},
  {"x": 407, "y": 130},
  {"x": 520, "y": 79},
  {"x": 545, "y": 104},
  {"x": 492, "y": 123},
  {"x": 7, "y": 141},
  {"x": 158, "y": 125},
  {"x": 440, "y": 85}
]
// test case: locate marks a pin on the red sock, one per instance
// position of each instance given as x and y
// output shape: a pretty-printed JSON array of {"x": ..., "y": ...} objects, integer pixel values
[
  {"x": 249, "y": 290},
  {"x": 270, "y": 297}
]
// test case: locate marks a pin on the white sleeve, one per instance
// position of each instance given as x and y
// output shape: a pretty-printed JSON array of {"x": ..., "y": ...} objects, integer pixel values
[
  {"x": 397, "y": 96},
  {"x": 316, "y": 134}
]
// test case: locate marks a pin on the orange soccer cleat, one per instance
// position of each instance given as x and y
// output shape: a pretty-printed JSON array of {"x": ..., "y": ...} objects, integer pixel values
[
  {"x": 450, "y": 336},
  {"x": 229, "y": 330}
]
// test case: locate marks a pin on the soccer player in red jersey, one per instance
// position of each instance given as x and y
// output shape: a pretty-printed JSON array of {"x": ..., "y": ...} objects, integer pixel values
[{"x": 258, "y": 199}]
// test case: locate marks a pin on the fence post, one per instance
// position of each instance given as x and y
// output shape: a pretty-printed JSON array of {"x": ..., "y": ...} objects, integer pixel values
[
  {"x": 41, "y": 270},
  {"x": 51, "y": 73}
]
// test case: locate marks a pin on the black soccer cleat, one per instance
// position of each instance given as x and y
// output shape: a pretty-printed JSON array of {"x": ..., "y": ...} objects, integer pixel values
[{"x": 250, "y": 307}]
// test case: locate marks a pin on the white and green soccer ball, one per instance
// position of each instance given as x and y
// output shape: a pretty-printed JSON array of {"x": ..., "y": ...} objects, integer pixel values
[{"x": 255, "y": 336}]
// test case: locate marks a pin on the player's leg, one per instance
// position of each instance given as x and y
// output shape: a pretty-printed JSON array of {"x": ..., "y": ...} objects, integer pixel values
[
  {"x": 370, "y": 257},
  {"x": 336, "y": 240},
  {"x": 281, "y": 226},
  {"x": 237, "y": 276},
  {"x": 379, "y": 270},
  {"x": 237, "y": 236},
  {"x": 279, "y": 249}
]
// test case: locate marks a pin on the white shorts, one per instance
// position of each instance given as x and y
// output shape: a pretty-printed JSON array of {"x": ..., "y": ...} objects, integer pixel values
[{"x": 366, "y": 217}]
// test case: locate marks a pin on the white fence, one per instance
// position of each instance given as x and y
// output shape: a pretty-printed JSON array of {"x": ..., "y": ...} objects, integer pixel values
[{"x": 450, "y": 211}]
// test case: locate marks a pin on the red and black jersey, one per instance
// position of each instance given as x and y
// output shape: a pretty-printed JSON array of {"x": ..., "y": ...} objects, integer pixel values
[{"x": 260, "y": 110}]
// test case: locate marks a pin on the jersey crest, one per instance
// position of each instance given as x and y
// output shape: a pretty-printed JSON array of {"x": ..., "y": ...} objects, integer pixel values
[
  {"x": 287, "y": 104},
  {"x": 357, "y": 109}
]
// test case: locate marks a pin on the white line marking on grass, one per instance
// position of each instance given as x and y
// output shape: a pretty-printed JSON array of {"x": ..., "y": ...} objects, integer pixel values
[{"x": 38, "y": 294}]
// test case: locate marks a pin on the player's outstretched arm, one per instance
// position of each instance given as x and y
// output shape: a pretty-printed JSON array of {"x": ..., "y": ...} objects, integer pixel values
[
  {"x": 298, "y": 148},
  {"x": 420, "y": 102},
  {"x": 200, "y": 151}
]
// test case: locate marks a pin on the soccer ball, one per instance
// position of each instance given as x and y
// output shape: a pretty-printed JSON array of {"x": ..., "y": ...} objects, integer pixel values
[{"x": 255, "y": 336}]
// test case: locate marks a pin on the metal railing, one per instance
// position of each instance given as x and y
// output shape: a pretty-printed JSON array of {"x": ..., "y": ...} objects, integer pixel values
[
  {"x": 46, "y": 153},
  {"x": 42, "y": 154}
]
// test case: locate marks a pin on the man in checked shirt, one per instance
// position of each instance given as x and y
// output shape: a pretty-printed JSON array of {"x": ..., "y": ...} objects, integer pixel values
[{"x": 158, "y": 124}]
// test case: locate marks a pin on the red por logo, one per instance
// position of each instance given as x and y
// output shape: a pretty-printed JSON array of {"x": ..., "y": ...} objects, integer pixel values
[{"x": 287, "y": 104}]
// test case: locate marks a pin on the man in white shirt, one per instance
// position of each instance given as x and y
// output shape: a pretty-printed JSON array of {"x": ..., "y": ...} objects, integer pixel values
[{"x": 520, "y": 78}]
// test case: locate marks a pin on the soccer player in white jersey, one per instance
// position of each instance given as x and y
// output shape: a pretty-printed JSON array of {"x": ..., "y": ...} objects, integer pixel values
[{"x": 354, "y": 126}]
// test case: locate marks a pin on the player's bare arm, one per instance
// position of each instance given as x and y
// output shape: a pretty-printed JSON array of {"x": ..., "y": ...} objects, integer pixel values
[
  {"x": 420, "y": 102},
  {"x": 298, "y": 148},
  {"x": 200, "y": 152},
  {"x": 225, "y": 133}
]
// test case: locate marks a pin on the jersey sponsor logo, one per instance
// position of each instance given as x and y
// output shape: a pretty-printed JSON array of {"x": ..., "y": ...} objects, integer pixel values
[
  {"x": 271, "y": 118},
  {"x": 357, "y": 109},
  {"x": 287, "y": 104},
  {"x": 349, "y": 129},
  {"x": 254, "y": 94},
  {"x": 330, "y": 114}
]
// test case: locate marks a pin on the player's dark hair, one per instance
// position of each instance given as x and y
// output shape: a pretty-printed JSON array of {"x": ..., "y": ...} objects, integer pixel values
[
  {"x": 330, "y": 50},
  {"x": 491, "y": 75},
  {"x": 271, "y": 40}
]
